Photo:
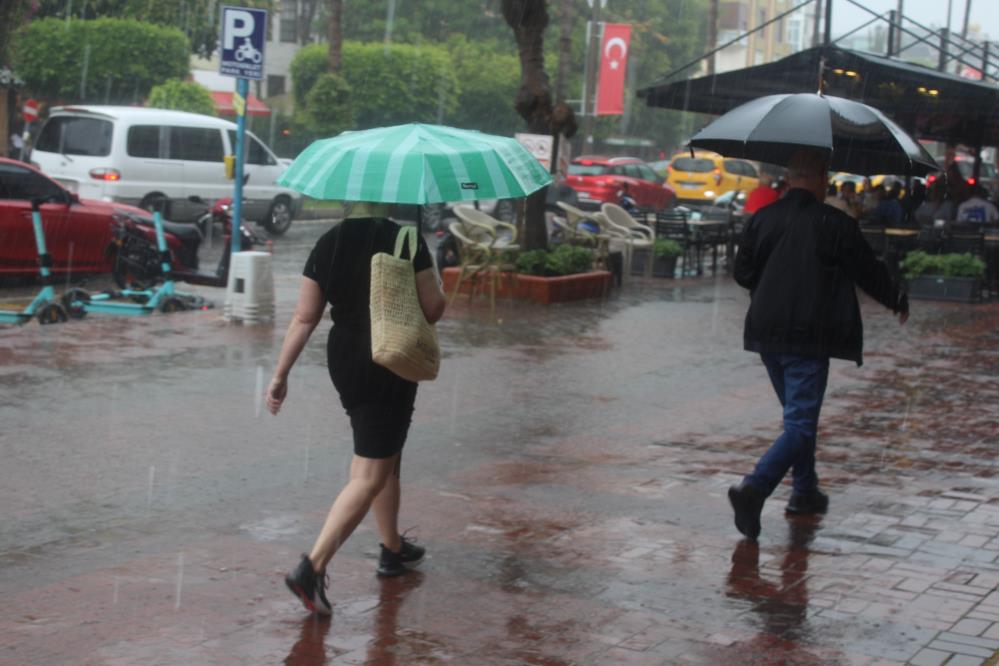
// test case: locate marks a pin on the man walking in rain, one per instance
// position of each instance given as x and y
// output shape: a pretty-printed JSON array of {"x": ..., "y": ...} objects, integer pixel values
[{"x": 800, "y": 260}]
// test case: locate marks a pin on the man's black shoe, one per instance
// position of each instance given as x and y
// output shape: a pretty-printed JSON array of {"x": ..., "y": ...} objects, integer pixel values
[
  {"x": 395, "y": 564},
  {"x": 309, "y": 587},
  {"x": 808, "y": 503},
  {"x": 747, "y": 502}
]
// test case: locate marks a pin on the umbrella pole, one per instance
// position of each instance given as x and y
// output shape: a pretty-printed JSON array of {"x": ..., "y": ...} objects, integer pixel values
[{"x": 419, "y": 220}]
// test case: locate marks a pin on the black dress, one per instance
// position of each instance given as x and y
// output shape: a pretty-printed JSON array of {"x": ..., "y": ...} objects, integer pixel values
[{"x": 379, "y": 402}]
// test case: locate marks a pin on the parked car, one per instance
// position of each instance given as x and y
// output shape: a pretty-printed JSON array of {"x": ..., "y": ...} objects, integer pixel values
[
  {"x": 598, "y": 180},
  {"x": 988, "y": 176},
  {"x": 77, "y": 231},
  {"x": 157, "y": 159},
  {"x": 704, "y": 176}
]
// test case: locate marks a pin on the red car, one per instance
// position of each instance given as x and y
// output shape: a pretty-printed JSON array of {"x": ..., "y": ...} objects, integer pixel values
[
  {"x": 599, "y": 180},
  {"x": 77, "y": 231}
]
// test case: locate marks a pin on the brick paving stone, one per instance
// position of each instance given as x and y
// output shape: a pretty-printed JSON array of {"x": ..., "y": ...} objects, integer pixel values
[
  {"x": 928, "y": 657},
  {"x": 965, "y": 660},
  {"x": 971, "y": 627},
  {"x": 960, "y": 648}
]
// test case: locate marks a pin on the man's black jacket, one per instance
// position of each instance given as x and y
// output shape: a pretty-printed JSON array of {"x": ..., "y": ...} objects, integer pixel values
[{"x": 800, "y": 260}]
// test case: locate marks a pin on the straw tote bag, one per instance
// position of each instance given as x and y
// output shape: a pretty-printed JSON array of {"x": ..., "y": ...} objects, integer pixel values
[{"x": 401, "y": 338}]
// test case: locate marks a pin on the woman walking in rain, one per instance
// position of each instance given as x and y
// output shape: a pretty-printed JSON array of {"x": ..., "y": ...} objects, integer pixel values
[{"x": 378, "y": 402}]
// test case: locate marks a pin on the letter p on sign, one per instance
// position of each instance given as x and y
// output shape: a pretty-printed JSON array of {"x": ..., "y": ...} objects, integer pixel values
[{"x": 238, "y": 23}]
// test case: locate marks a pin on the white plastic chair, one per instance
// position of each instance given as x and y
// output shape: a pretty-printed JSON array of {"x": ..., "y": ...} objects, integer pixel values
[{"x": 637, "y": 236}]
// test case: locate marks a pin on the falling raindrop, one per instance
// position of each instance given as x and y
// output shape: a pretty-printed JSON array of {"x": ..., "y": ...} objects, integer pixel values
[
  {"x": 258, "y": 395},
  {"x": 149, "y": 489},
  {"x": 180, "y": 579}
]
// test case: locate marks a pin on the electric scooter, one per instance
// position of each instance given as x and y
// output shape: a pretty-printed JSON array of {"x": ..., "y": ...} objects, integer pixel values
[
  {"x": 165, "y": 297},
  {"x": 44, "y": 306}
]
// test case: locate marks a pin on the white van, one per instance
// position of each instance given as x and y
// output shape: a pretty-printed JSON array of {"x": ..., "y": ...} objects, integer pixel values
[{"x": 157, "y": 159}]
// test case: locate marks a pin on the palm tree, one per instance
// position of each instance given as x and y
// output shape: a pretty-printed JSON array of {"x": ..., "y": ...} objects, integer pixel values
[{"x": 528, "y": 19}]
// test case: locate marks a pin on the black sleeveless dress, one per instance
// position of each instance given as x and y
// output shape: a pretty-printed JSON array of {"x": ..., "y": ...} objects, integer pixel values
[{"x": 378, "y": 402}]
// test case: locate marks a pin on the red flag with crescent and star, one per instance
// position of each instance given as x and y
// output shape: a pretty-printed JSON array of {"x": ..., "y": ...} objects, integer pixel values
[{"x": 613, "y": 66}]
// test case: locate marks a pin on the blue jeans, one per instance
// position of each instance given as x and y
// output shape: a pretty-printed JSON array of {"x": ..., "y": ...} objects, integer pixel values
[{"x": 800, "y": 383}]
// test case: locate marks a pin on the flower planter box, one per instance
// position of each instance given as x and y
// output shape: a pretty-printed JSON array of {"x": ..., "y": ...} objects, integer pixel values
[
  {"x": 936, "y": 288},
  {"x": 663, "y": 267},
  {"x": 544, "y": 290}
]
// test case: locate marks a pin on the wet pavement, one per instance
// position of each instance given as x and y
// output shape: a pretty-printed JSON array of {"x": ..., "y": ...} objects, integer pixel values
[{"x": 567, "y": 473}]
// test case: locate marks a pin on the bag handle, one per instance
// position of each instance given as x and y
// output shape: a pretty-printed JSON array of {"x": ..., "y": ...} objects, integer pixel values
[{"x": 406, "y": 235}]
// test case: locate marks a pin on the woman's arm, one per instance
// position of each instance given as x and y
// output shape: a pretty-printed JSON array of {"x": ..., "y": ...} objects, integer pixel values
[
  {"x": 428, "y": 288},
  {"x": 308, "y": 312}
]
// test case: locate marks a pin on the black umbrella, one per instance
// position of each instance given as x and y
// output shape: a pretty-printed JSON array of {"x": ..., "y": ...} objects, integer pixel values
[{"x": 859, "y": 138}]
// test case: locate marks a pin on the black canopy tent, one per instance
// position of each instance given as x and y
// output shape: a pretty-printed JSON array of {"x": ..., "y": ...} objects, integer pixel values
[{"x": 929, "y": 104}]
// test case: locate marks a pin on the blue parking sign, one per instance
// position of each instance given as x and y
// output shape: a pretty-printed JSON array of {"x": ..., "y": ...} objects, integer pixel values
[{"x": 242, "y": 39}]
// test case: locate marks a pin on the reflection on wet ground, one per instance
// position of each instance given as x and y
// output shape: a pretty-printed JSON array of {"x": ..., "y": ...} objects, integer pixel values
[{"x": 566, "y": 472}]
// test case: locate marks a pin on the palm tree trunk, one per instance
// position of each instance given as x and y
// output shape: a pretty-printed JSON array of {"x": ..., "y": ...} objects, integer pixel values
[
  {"x": 528, "y": 19},
  {"x": 335, "y": 33}
]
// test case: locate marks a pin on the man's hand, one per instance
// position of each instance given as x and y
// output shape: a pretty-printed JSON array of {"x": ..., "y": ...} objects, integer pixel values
[{"x": 276, "y": 394}]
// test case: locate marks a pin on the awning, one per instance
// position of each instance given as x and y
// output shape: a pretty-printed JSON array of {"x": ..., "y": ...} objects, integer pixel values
[
  {"x": 223, "y": 104},
  {"x": 929, "y": 104}
]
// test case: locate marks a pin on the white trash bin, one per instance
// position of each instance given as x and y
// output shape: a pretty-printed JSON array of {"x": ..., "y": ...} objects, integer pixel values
[{"x": 249, "y": 295}]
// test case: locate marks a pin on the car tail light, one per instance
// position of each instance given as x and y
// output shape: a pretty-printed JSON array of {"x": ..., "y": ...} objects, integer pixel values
[
  {"x": 586, "y": 162},
  {"x": 718, "y": 176},
  {"x": 971, "y": 181},
  {"x": 931, "y": 179},
  {"x": 105, "y": 174}
]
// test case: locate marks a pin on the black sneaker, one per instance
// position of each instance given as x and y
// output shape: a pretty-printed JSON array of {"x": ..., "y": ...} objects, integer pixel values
[
  {"x": 812, "y": 502},
  {"x": 309, "y": 586},
  {"x": 747, "y": 502},
  {"x": 395, "y": 564}
]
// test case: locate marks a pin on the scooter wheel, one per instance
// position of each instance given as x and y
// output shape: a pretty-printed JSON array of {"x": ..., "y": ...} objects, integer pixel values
[
  {"x": 51, "y": 313},
  {"x": 75, "y": 296},
  {"x": 173, "y": 304}
]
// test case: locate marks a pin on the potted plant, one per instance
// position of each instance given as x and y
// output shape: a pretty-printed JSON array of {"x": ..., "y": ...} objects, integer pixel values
[
  {"x": 665, "y": 253},
  {"x": 947, "y": 277},
  {"x": 544, "y": 276}
]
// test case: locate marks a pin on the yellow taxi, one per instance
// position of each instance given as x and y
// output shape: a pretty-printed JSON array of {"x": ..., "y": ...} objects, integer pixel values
[{"x": 703, "y": 177}]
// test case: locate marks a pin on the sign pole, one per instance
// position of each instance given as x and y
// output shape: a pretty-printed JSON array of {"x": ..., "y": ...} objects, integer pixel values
[{"x": 242, "y": 91}]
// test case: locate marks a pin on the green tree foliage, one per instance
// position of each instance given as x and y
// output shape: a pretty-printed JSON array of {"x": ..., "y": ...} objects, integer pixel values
[
  {"x": 197, "y": 19},
  {"x": 489, "y": 80},
  {"x": 427, "y": 21},
  {"x": 389, "y": 84},
  {"x": 182, "y": 96},
  {"x": 329, "y": 105},
  {"x": 126, "y": 59}
]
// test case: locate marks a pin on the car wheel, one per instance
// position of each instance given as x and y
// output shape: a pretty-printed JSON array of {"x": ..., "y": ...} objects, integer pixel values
[
  {"x": 156, "y": 201},
  {"x": 279, "y": 217},
  {"x": 173, "y": 304},
  {"x": 51, "y": 313},
  {"x": 75, "y": 296}
]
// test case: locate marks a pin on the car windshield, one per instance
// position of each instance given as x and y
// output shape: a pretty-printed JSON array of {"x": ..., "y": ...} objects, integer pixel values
[
  {"x": 588, "y": 169},
  {"x": 72, "y": 135},
  {"x": 693, "y": 164}
]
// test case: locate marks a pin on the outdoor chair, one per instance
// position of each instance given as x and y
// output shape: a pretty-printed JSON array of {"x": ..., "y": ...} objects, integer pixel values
[
  {"x": 504, "y": 233},
  {"x": 636, "y": 236},
  {"x": 965, "y": 238},
  {"x": 672, "y": 225},
  {"x": 712, "y": 232},
  {"x": 476, "y": 258},
  {"x": 605, "y": 237}
]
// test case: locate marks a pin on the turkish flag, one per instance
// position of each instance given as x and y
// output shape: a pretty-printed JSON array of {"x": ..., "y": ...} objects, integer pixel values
[{"x": 613, "y": 66}]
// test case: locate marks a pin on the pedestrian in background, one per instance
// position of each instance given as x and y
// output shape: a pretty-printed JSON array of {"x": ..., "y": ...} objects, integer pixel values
[
  {"x": 378, "y": 402},
  {"x": 800, "y": 259}
]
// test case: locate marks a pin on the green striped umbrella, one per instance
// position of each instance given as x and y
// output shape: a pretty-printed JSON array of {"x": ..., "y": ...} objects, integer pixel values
[{"x": 415, "y": 164}]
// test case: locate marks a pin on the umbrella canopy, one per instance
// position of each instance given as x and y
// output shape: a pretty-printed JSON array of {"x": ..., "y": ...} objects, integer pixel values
[
  {"x": 415, "y": 164},
  {"x": 859, "y": 138}
]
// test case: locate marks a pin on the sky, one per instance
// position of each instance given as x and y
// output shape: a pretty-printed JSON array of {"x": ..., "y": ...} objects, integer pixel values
[{"x": 983, "y": 12}]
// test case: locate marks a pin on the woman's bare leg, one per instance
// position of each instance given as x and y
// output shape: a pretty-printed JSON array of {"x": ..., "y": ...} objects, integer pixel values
[
  {"x": 386, "y": 510},
  {"x": 367, "y": 479}
]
